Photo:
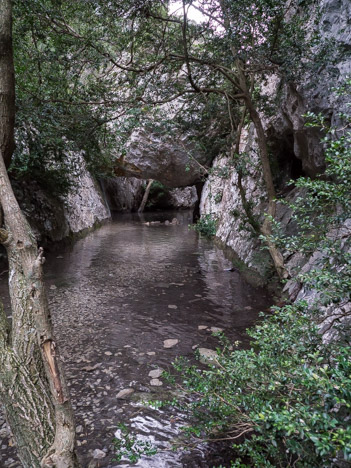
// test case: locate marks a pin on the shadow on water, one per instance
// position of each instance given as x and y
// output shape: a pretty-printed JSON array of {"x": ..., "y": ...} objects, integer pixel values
[{"x": 115, "y": 297}]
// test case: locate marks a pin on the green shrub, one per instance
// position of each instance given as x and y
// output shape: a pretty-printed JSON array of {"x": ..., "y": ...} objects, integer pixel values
[
  {"x": 289, "y": 395},
  {"x": 286, "y": 402},
  {"x": 206, "y": 226}
]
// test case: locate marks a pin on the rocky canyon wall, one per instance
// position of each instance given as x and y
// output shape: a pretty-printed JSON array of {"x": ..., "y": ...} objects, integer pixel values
[
  {"x": 54, "y": 219},
  {"x": 297, "y": 150}
]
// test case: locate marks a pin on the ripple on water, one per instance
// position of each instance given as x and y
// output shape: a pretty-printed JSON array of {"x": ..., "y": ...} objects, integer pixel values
[{"x": 120, "y": 293}]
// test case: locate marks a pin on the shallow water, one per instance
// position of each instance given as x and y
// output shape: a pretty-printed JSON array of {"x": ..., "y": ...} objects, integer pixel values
[{"x": 115, "y": 296}]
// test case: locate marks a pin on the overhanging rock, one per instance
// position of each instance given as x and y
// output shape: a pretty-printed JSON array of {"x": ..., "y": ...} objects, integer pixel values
[{"x": 172, "y": 160}]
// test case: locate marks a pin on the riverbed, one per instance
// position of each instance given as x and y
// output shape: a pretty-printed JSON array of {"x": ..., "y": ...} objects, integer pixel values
[{"x": 117, "y": 297}]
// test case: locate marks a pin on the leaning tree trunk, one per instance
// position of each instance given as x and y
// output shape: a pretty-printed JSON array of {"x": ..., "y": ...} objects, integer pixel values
[
  {"x": 32, "y": 387},
  {"x": 266, "y": 228},
  {"x": 146, "y": 196}
]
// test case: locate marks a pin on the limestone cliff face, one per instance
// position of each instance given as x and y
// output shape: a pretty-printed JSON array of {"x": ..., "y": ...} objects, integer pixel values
[
  {"x": 172, "y": 160},
  {"x": 123, "y": 194},
  {"x": 221, "y": 199},
  {"x": 297, "y": 149},
  {"x": 53, "y": 219}
]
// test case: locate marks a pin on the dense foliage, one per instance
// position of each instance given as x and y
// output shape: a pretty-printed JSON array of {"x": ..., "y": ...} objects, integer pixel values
[
  {"x": 89, "y": 73},
  {"x": 287, "y": 401}
]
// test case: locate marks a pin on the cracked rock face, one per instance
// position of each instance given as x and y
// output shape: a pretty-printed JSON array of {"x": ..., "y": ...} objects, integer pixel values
[
  {"x": 172, "y": 160},
  {"x": 54, "y": 219},
  {"x": 123, "y": 194},
  {"x": 315, "y": 92}
]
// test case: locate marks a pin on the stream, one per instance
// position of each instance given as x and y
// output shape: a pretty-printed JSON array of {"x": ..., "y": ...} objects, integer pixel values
[{"x": 116, "y": 295}]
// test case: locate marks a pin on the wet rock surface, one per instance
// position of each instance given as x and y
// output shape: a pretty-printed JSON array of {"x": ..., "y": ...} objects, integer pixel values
[{"x": 110, "y": 307}]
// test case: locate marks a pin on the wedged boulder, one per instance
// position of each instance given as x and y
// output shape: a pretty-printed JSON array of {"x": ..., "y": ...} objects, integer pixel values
[{"x": 172, "y": 160}]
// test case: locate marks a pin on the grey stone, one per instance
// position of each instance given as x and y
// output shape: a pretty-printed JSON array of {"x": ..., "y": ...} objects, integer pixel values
[
  {"x": 4, "y": 433},
  {"x": 156, "y": 383},
  {"x": 126, "y": 392},
  {"x": 155, "y": 373},
  {"x": 168, "y": 159},
  {"x": 170, "y": 343},
  {"x": 99, "y": 454},
  {"x": 207, "y": 355}
]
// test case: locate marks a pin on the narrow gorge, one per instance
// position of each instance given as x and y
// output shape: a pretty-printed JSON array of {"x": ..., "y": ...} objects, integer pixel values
[{"x": 183, "y": 168}]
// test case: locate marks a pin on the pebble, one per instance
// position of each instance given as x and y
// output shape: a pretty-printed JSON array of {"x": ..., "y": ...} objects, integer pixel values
[
  {"x": 151, "y": 353},
  {"x": 98, "y": 454},
  {"x": 156, "y": 383},
  {"x": 202, "y": 327},
  {"x": 108, "y": 353},
  {"x": 4, "y": 433},
  {"x": 172, "y": 306},
  {"x": 156, "y": 373},
  {"x": 53, "y": 287},
  {"x": 170, "y": 343},
  {"x": 124, "y": 393}
]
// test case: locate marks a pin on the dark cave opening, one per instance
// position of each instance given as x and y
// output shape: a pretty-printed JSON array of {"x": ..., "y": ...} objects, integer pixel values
[{"x": 286, "y": 166}]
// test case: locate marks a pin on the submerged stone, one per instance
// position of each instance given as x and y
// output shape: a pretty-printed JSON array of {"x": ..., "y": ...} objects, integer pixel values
[
  {"x": 156, "y": 383},
  {"x": 170, "y": 343},
  {"x": 124, "y": 393},
  {"x": 155, "y": 373}
]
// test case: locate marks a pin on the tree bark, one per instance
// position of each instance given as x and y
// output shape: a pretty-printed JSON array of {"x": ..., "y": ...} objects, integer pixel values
[
  {"x": 146, "y": 196},
  {"x": 32, "y": 386},
  {"x": 266, "y": 228},
  {"x": 7, "y": 82}
]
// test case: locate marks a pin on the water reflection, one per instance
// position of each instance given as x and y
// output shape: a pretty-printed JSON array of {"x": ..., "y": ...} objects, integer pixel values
[{"x": 116, "y": 296}]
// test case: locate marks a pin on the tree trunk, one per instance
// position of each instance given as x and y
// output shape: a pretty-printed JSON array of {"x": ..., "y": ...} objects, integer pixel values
[
  {"x": 7, "y": 83},
  {"x": 32, "y": 387},
  {"x": 146, "y": 196},
  {"x": 266, "y": 228}
]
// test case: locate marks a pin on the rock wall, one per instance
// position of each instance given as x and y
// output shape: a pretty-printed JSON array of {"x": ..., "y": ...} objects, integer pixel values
[
  {"x": 54, "y": 219},
  {"x": 297, "y": 149},
  {"x": 123, "y": 194},
  {"x": 173, "y": 160},
  {"x": 221, "y": 200},
  {"x": 183, "y": 198}
]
